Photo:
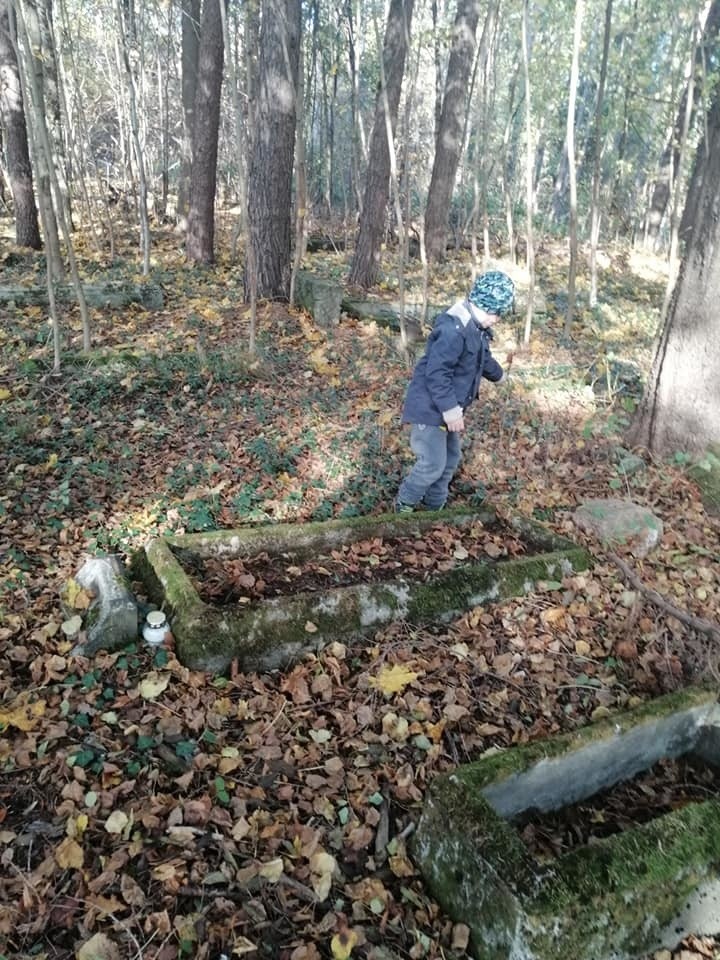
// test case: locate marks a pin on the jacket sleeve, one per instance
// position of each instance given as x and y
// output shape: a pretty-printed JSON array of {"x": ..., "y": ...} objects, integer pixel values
[
  {"x": 491, "y": 368},
  {"x": 442, "y": 357}
]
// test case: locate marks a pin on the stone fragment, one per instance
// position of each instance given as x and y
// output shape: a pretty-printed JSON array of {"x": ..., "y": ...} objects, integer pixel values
[
  {"x": 112, "y": 617},
  {"x": 615, "y": 521}
]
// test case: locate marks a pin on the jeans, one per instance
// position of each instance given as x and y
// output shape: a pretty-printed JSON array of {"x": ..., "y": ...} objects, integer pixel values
[{"x": 437, "y": 453}]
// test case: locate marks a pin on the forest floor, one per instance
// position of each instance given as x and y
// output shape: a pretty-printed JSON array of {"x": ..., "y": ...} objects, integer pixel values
[{"x": 149, "y": 811}]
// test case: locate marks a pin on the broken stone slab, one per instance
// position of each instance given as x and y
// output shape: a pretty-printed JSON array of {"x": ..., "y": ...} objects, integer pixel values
[
  {"x": 269, "y": 634},
  {"x": 387, "y": 313},
  {"x": 621, "y": 897},
  {"x": 615, "y": 521},
  {"x": 112, "y": 617},
  {"x": 110, "y": 294},
  {"x": 321, "y": 298}
]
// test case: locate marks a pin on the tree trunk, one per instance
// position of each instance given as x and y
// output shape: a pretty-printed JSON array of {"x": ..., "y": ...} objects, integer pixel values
[
  {"x": 449, "y": 139},
  {"x": 128, "y": 42},
  {"x": 35, "y": 94},
  {"x": 271, "y": 167},
  {"x": 572, "y": 273},
  {"x": 366, "y": 261},
  {"x": 200, "y": 236},
  {"x": 53, "y": 102},
  {"x": 704, "y": 52},
  {"x": 679, "y": 410},
  {"x": 190, "y": 14},
  {"x": 12, "y": 115}
]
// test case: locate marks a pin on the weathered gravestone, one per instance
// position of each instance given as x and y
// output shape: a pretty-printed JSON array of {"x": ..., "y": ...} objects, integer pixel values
[
  {"x": 321, "y": 298},
  {"x": 111, "y": 620},
  {"x": 271, "y": 632},
  {"x": 620, "y": 522},
  {"x": 620, "y": 897}
]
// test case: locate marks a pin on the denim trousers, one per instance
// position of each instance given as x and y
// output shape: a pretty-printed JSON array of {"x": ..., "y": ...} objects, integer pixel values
[{"x": 437, "y": 452}]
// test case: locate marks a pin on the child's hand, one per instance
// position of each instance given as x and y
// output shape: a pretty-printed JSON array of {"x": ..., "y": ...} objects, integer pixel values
[{"x": 456, "y": 426}]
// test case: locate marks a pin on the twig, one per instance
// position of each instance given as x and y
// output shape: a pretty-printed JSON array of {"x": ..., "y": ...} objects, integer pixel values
[{"x": 708, "y": 627}]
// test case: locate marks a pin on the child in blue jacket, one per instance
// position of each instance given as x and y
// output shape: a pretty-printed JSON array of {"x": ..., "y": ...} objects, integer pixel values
[{"x": 444, "y": 383}]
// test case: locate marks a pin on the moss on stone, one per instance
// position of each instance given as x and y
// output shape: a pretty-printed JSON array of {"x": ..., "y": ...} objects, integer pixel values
[
  {"x": 706, "y": 474},
  {"x": 617, "y": 898},
  {"x": 517, "y": 760},
  {"x": 308, "y": 539}
]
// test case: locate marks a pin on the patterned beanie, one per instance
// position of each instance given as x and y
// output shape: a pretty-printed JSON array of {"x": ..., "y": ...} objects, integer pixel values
[{"x": 493, "y": 292}]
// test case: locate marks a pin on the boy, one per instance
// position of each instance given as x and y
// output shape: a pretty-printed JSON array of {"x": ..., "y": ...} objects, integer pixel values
[{"x": 444, "y": 383}]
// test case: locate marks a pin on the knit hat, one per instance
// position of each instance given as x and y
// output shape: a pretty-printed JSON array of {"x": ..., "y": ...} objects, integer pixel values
[{"x": 493, "y": 292}]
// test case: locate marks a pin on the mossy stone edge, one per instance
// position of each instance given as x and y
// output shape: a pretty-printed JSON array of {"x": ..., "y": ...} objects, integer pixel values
[{"x": 622, "y": 897}]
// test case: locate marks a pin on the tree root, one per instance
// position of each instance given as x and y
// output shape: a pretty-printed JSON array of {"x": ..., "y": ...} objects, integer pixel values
[{"x": 708, "y": 627}]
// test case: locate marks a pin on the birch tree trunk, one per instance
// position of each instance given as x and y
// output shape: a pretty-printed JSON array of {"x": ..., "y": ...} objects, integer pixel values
[
  {"x": 190, "y": 40},
  {"x": 529, "y": 180},
  {"x": 572, "y": 98},
  {"x": 595, "y": 213}
]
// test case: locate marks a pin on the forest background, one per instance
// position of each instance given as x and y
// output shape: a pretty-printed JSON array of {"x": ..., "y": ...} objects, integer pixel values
[{"x": 201, "y": 151}]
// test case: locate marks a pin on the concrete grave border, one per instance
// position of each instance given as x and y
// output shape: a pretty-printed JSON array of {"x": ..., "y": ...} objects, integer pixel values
[
  {"x": 621, "y": 897},
  {"x": 269, "y": 634}
]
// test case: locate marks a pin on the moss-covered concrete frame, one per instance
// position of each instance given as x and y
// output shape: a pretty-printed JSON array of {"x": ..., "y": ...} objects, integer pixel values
[
  {"x": 270, "y": 634},
  {"x": 622, "y": 897}
]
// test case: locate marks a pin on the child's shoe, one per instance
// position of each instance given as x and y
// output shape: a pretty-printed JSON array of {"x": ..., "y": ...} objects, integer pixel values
[{"x": 401, "y": 507}]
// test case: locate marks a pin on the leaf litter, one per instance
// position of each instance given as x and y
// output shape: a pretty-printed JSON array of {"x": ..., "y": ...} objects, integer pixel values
[
  {"x": 443, "y": 547},
  {"x": 149, "y": 810}
]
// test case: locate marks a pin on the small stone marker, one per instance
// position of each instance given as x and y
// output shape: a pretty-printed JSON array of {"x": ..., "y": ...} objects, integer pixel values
[
  {"x": 319, "y": 297},
  {"x": 112, "y": 618},
  {"x": 620, "y": 522}
]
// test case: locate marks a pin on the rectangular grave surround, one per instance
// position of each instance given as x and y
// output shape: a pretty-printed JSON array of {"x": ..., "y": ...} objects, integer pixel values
[
  {"x": 621, "y": 897},
  {"x": 272, "y": 632}
]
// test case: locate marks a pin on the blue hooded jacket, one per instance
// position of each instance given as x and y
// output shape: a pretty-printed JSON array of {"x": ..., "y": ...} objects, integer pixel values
[{"x": 457, "y": 356}]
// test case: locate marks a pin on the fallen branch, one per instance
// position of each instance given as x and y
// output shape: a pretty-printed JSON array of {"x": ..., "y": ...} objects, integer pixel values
[{"x": 708, "y": 627}]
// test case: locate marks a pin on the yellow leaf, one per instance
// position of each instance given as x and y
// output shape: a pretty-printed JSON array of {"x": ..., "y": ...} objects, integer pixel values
[
  {"x": 116, "y": 822},
  {"x": 153, "y": 685},
  {"x": 553, "y": 617},
  {"x": 242, "y": 945},
  {"x": 5, "y": 394},
  {"x": 272, "y": 870},
  {"x": 51, "y": 462},
  {"x": 76, "y": 596},
  {"x": 342, "y": 944},
  {"x": 393, "y": 679},
  {"x": 69, "y": 855},
  {"x": 22, "y": 715}
]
